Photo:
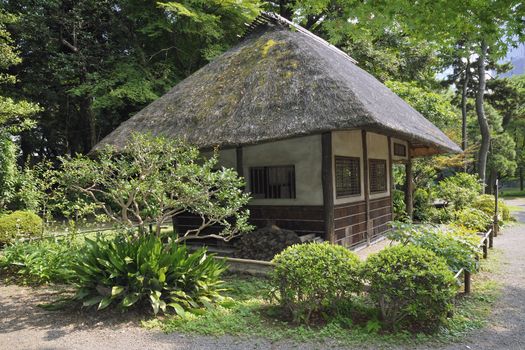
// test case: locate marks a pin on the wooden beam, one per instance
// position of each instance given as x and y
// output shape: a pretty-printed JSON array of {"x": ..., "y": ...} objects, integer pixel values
[
  {"x": 391, "y": 177},
  {"x": 240, "y": 165},
  {"x": 409, "y": 188},
  {"x": 369, "y": 226},
  {"x": 328, "y": 185}
]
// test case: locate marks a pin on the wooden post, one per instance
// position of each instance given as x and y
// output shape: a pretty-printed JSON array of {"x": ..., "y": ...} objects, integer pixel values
[
  {"x": 366, "y": 187},
  {"x": 328, "y": 185},
  {"x": 485, "y": 248},
  {"x": 468, "y": 281},
  {"x": 409, "y": 191},
  {"x": 239, "y": 162},
  {"x": 491, "y": 238},
  {"x": 391, "y": 178},
  {"x": 496, "y": 209}
]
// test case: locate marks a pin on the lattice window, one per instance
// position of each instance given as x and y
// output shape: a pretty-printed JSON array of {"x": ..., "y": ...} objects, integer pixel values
[
  {"x": 347, "y": 176},
  {"x": 400, "y": 150},
  {"x": 377, "y": 175},
  {"x": 272, "y": 182}
]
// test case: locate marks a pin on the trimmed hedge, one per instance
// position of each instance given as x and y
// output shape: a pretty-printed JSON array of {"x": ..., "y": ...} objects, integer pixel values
[
  {"x": 413, "y": 287},
  {"x": 19, "y": 224},
  {"x": 309, "y": 279}
]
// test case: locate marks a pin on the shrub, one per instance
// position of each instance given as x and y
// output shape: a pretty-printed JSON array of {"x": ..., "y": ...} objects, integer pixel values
[
  {"x": 128, "y": 271},
  {"x": 460, "y": 189},
  {"x": 473, "y": 219},
  {"x": 455, "y": 245},
  {"x": 311, "y": 278},
  {"x": 41, "y": 261},
  {"x": 485, "y": 203},
  {"x": 399, "y": 206},
  {"x": 412, "y": 286},
  {"x": 422, "y": 204},
  {"x": 19, "y": 224}
]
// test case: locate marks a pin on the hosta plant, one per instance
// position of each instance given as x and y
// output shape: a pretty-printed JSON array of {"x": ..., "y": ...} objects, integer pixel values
[{"x": 128, "y": 271}]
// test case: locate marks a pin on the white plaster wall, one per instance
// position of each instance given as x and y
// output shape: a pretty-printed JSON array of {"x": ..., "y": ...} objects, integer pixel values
[
  {"x": 377, "y": 146},
  {"x": 348, "y": 144},
  {"x": 302, "y": 152},
  {"x": 399, "y": 158}
]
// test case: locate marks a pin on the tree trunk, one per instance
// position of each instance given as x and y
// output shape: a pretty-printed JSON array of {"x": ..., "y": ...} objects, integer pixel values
[
  {"x": 491, "y": 181},
  {"x": 90, "y": 122},
  {"x": 521, "y": 178},
  {"x": 464, "y": 91},
  {"x": 482, "y": 119}
]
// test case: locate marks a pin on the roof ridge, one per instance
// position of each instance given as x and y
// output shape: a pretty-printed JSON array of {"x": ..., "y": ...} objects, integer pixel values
[{"x": 266, "y": 17}]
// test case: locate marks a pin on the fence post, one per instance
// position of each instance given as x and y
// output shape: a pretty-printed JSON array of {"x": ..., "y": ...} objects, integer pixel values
[
  {"x": 485, "y": 248},
  {"x": 496, "y": 209},
  {"x": 467, "y": 282},
  {"x": 491, "y": 238}
]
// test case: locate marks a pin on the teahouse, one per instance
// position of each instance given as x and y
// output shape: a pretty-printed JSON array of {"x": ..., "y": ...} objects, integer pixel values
[{"x": 314, "y": 135}]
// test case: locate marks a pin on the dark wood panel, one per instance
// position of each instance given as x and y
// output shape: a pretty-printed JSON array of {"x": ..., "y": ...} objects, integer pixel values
[
  {"x": 380, "y": 203},
  {"x": 342, "y": 210}
]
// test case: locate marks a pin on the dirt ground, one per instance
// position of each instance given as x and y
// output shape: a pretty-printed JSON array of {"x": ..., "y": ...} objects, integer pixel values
[{"x": 24, "y": 325}]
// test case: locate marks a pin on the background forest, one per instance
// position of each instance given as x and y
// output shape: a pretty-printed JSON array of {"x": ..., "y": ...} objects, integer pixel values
[{"x": 72, "y": 71}]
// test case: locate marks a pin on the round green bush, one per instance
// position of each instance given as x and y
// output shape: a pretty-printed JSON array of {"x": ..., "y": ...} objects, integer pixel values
[
  {"x": 473, "y": 219},
  {"x": 485, "y": 203},
  {"x": 413, "y": 287},
  {"x": 311, "y": 278},
  {"x": 19, "y": 224}
]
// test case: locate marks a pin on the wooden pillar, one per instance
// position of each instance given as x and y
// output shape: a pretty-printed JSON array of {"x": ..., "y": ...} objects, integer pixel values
[
  {"x": 409, "y": 188},
  {"x": 239, "y": 166},
  {"x": 328, "y": 185},
  {"x": 369, "y": 227},
  {"x": 391, "y": 178}
]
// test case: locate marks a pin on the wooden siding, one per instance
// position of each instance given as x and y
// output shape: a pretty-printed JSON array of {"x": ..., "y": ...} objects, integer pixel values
[
  {"x": 301, "y": 219},
  {"x": 350, "y": 221}
]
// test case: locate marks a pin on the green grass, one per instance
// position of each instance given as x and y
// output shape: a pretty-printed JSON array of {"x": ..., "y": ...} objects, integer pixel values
[
  {"x": 512, "y": 193},
  {"x": 247, "y": 312}
]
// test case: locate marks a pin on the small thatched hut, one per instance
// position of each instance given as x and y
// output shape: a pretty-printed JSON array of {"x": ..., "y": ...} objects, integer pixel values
[{"x": 313, "y": 134}]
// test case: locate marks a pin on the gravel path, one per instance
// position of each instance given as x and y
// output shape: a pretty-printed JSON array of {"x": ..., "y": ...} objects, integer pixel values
[
  {"x": 23, "y": 325},
  {"x": 507, "y": 323}
]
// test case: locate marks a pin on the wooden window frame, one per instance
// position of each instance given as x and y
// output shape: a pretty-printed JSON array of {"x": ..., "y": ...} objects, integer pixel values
[
  {"x": 373, "y": 172},
  {"x": 397, "y": 147},
  {"x": 260, "y": 186},
  {"x": 341, "y": 193}
]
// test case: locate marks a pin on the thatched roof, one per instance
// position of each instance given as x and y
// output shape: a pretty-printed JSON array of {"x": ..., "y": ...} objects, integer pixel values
[{"x": 280, "y": 81}]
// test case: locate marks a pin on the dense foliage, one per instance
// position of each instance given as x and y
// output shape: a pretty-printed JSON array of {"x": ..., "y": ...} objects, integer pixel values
[
  {"x": 128, "y": 271},
  {"x": 473, "y": 219},
  {"x": 486, "y": 203},
  {"x": 153, "y": 179},
  {"x": 309, "y": 279},
  {"x": 19, "y": 224},
  {"x": 459, "y": 190},
  {"x": 413, "y": 287},
  {"x": 458, "y": 249},
  {"x": 40, "y": 261}
]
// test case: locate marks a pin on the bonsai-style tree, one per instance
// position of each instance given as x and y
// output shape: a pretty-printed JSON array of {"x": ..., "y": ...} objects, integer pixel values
[{"x": 152, "y": 179}]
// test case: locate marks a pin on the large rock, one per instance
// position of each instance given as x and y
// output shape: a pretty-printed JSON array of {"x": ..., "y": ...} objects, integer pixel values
[{"x": 265, "y": 243}]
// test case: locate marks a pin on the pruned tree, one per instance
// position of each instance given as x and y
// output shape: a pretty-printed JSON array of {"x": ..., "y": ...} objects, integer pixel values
[{"x": 153, "y": 179}]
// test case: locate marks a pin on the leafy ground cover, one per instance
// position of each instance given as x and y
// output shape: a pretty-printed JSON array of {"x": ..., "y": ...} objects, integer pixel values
[{"x": 247, "y": 312}]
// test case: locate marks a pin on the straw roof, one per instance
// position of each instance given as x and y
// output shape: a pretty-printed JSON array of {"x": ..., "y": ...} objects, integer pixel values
[{"x": 280, "y": 81}]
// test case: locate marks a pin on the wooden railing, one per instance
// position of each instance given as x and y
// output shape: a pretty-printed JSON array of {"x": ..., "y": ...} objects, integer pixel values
[{"x": 486, "y": 242}]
